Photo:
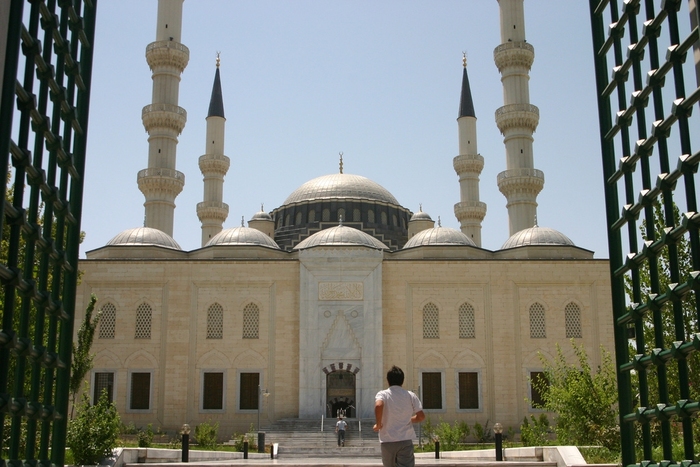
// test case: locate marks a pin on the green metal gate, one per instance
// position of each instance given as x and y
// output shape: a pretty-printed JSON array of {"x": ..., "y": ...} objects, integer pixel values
[
  {"x": 43, "y": 132},
  {"x": 647, "y": 85}
]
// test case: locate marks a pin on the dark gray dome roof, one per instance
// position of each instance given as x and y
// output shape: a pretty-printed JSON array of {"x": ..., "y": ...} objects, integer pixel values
[
  {"x": 439, "y": 236},
  {"x": 341, "y": 236},
  {"x": 261, "y": 216},
  {"x": 144, "y": 236},
  {"x": 341, "y": 186},
  {"x": 242, "y": 236},
  {"x": 421, "y": 216},
  {"x": 537, "y": 236}
]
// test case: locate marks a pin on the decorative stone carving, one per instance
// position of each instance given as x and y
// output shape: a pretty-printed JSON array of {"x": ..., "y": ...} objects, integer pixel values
[{"x": 340, "y": 291}]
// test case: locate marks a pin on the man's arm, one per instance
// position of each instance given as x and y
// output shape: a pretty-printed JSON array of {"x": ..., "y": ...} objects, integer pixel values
[
  {"x": 418, "y": 417},
  {"x": 378, "y": 412}
]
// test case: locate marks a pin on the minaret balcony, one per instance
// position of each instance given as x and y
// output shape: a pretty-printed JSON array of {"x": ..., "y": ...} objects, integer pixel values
[
  {"x": 166, "y": 116},
  {"x": 214, "y": 164},
  {"x": 470, "y": 210},
  {"x": 517, "y": 117},
  {"x": 520, "y": 181},
  {"x": 468, "y": 163},
  {"x": 160, "y": 180},
  {"x": 514, "y": 54},
  {"x": 212, "y": 210},
  {"x": 169, "y": 54}
]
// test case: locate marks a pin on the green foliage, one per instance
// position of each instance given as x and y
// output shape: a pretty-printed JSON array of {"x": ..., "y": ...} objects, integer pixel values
[
  {"x": 482, "y": 433},
  {"x": 585, "y": 403},
  {"x": 145, "y": 437},
  {"x": 82, "y": 358},
  {"x": 129, "y": 429},
  {"x": 206, "y": 434},
  {"x": 451, "y": 436},
  {"x": 92, "y": 434},
  {"x": 535, "y": 433}
]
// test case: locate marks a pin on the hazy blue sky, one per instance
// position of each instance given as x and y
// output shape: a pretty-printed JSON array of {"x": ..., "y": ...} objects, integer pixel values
[{"x": 378, "y": 80}]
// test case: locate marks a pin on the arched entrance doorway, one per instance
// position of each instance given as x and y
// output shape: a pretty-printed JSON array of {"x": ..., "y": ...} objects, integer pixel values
[{"x": 340, "y": 394}]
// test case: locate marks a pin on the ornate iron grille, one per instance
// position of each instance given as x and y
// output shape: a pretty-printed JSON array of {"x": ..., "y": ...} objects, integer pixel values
[
  {"x": 646, "y": 82},
  {"x": 43, "y": 133}
]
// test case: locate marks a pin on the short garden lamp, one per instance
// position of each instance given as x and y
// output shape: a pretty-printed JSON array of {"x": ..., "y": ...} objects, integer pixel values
[
  {"x": 185, "y": 431},
  {"x": 498, "y": 430}
]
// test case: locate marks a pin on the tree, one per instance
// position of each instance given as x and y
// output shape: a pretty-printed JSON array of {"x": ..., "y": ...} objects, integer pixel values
[
  {"x": 92, "y": 434},
  {"x": 82, "y": 358},
  {"x": 585, "y": 402}
]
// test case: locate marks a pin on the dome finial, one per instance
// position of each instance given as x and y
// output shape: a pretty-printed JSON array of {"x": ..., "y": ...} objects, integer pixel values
[
  {"x": 218, "y": 59},
  {"x": 341, "y": 161},
  {"x": 262, "y": 207},
  {"x": 439, "y": 222},
  {"x": 242, "y": 221},
  {"x": 340, "y": 218},
  {"x": 420, "y": 207},
  {"x": 536, "y": 221},
  {"x": 464, "y": 59}
]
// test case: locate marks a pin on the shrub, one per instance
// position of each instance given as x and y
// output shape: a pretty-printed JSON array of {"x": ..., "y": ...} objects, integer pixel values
[
  {"x": 145, "y": 437},
  {"x": 535, "y": 433},
  {"x": 451, "y": 436},
  {"x": 92, "y": 434},
  {"x": 206, "y": 434}
]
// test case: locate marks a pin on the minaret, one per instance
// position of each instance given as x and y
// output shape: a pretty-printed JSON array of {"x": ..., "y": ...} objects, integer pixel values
[
  {"x": 468, "y": 164},
  {"x": 163, "y": 119},
  {"x": 520, "y": 183},
  {"x": 212, "y": 212}
]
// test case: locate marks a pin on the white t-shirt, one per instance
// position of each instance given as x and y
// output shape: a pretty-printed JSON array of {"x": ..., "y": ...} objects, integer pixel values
[
  {"x": 399, "y": 406},
  {"x": 340, "y": 425}
]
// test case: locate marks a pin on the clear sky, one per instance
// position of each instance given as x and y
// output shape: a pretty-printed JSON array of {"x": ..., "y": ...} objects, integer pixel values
[{"x": 378, "y": 80}]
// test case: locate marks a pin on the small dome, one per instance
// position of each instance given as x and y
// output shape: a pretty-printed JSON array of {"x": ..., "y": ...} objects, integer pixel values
[
  {"x": 341, "y": 236},
  {"x": 242, "y": 236},
  {"x": 261, "y": 216},
  {"x": 341, "y": 186},
  {"x": 537, "y": 236},
  {"x": 143, "y": 236},
  {"x": 421, "y": 216},
  {"x": 439, "y": 236}
]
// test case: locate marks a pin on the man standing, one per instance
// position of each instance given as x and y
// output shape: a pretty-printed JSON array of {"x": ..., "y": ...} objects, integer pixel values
[
  {"x": 395, "y": 409},
  {"x": 340, "y": 429}
]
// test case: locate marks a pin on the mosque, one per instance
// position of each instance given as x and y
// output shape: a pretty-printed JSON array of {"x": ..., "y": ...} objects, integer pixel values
[{"x": 301, "y": 313}]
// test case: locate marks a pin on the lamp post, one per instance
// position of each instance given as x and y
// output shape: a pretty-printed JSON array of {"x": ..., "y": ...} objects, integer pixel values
[
  {"x": 498, "y": 430},
  {"x": 261, "y": 435},
  {"x": 185, "y": 431}
]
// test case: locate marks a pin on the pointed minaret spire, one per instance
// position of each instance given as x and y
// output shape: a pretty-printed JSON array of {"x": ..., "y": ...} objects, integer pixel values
[
  {"x": 517, "y": 120},
  {"x": 163, "y": 119},
  {"x": 470, "y": 212},
  {"x": 212, "y": 211}
]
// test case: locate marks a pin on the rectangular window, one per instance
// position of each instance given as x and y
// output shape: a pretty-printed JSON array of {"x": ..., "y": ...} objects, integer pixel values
[
  {"x": 538, "y": 388},
  {"x": 103, "y": 381},
  {"x": 140, "y": 394},
  {"x": 250, "y": 382},
  {"x": 213, "y": 391},
  {"x": 469, "y": 390},
  {"x": 432, "y": 391}
]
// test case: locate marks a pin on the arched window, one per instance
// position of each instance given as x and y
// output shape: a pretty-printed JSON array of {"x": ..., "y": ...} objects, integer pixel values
[
  {"x": 287, "y": 219},
  {"x": 143, "y": 321},
  {"x": 467, "y": 330},
  {"x": 251, "y": 321},
  {"x": 108, "y": 321},
  {"x": 215, "y": 322},
  {"x": 326, "y": 216},
  {"x": 298, "y": 219},
  {"x": 537, "y": 323},
  {"x": 370, "y": 216},
  {"x": 279, "y": 222},
  {"x": 431, "y": 321},
  {"x": 394, "y": 220},
  {"x": 572, "y": 320},
  {"x": 356, "y": 215},
  {"x": 311, "y": 216},
  {"x": 382, "y": 215}
]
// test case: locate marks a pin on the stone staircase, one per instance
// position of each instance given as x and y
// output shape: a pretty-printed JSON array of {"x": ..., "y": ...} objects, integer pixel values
[{"x": 304, "y": 438}]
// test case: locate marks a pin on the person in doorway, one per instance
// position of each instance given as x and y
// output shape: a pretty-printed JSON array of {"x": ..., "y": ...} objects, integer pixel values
[
  {"x": 395, "y": 411},
  {"x": 340, "y": 426}
]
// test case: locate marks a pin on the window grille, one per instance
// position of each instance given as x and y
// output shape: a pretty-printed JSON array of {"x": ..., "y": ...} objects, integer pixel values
[
  {"x": 394, "y": 220},
  {"x": 341, "y": 215},
  {"x": 538, "y": 388},
  {"x": 572, "y": 321},
  {"x": 108, "y": 321},
  {"x": 249, "y": 391},
  {"x": 143, "y": 321},
  {"x": 311, "y": 216},
  {"x": 382, "y": 215},
  {"x": 370, "y": 216},
  {"x": 356, "y": 215},
  {"x": 213, "y": 391},
  {"x": 469, "y": 390},
  {"x": 432, "y": 390},
  {"x": 467, "y": 328},
  {"x": 215, "y": 322},
  {"x": 431, "y": 321},
  {"x": 538, "y": 329},
  {"x": 251, "y": 321},
  {"x": 297, "y": 220},
  {"x": 103, "y": 382},
  {"x": 140, "y": 395},
  {"x": 287, "y": 220},
  {"x": 326, "y": 215}
]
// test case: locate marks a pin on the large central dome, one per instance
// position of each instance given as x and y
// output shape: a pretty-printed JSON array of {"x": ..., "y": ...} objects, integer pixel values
[{"x": 339, "y": 186}]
